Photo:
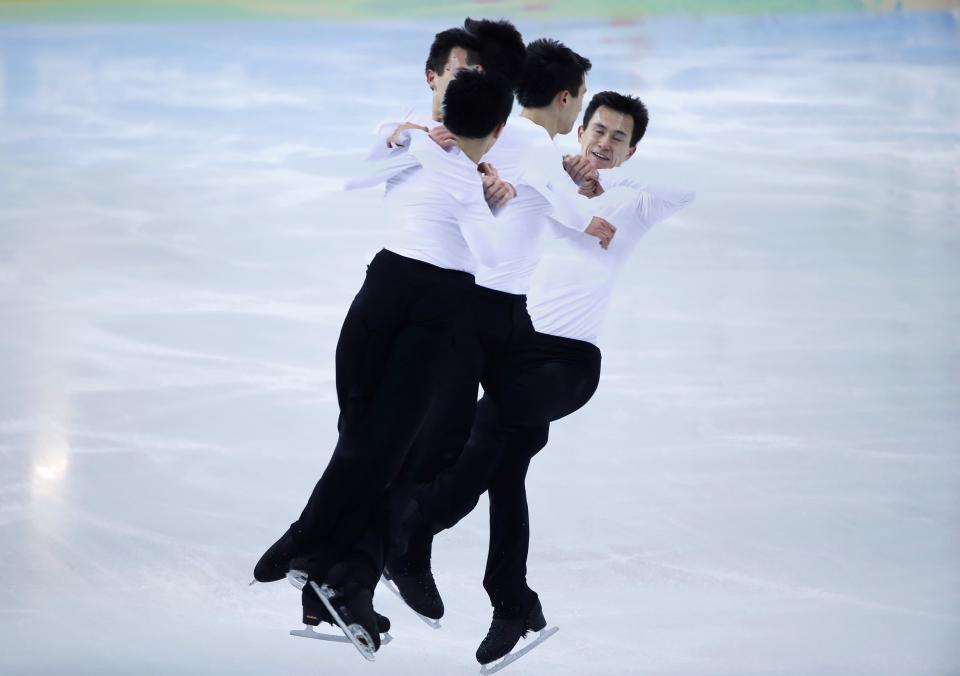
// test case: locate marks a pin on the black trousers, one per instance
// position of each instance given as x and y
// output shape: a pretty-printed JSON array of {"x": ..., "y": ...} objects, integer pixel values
[
  {"x": 541, "y": 380},
  {"x": 499, "y": 326},
  {"x": 398, "y": 336}
]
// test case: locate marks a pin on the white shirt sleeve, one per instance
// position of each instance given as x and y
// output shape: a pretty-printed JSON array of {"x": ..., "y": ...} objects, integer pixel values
[
  {"x": 659, "y": 203},
  {"x": 484, "y": 234},
  {"x": 635, "y": 210},
  {"x": 543, "y": 173},
  {"x": 382, "y": 170},
  {"x": 384, "y": 130}
]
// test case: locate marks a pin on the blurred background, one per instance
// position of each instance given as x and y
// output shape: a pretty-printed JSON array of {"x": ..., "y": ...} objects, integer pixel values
[{"x": 767, "y": 481}]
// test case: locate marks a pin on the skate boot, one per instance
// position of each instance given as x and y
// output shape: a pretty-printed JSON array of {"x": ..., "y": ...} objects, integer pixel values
[
  {"x": 414, "y": 581},
  {"x": 351, "y": 606},
  {"x": 506, "y": 632},
  {"x": 314, "y": 612},
  {"x": 275, "y": 562}
]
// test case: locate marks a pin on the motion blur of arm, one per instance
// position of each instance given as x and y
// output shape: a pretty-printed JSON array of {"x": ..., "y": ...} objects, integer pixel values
[
  {"x": 381, "y": 170},
  {"x": 393, "y": 135}
]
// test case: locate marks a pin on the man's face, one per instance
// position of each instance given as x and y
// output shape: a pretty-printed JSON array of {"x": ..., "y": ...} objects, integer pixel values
[
  {"x": 606, "y": 140},
  {"x": 570, "y": 113},
  {"x": 438, "y": 82}
]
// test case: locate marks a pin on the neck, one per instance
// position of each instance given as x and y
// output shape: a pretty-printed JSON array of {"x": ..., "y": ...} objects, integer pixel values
[
  {"x": 472, "y": 148},
  {"x": 544, "y": 117}
]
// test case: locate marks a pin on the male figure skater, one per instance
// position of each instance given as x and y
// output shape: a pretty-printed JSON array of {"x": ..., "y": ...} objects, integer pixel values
[
  {"x": 481, "y": 44},
  {"x": 555, "y": 374},
  {"x": 551, "y": 92},
  {"x": 396, "y": 338}
]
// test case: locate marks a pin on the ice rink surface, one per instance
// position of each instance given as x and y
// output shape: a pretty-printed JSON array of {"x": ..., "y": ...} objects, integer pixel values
[{"x": 767, "y": 482}]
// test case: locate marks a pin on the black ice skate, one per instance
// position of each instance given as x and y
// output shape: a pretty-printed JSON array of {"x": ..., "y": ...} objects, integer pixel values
[
  {"x": 315, "y": 612},
  {"x": 506, "y": 632},
  {"x": 419, "y": 591},
  {"x": 348, "y": 604},
  {"x": 275, "y": 562}
]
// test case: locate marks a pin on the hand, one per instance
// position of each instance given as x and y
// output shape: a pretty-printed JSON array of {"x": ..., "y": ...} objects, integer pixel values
[
  {"x": 487, "y": 169},
  {"x": 395, "y": 140},
  {"x": 579, "y": 168},
  {"x": 602, "y": 230},
  {"x": 496, "y": 191},
  {"x": 442, "y": 137},
  {"x": 591, "y": 188}
]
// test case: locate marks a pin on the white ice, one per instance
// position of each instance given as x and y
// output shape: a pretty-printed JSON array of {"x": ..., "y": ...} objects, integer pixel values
[{"x": 767, "y": 481}]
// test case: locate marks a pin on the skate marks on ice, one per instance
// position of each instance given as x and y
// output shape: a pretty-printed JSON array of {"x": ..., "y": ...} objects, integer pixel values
[
  {"x": 389, "y": 584},
  {"x": 509, "y": 659}
]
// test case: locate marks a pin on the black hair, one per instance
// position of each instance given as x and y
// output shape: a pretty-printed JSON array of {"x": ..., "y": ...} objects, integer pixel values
[
  {"x": 551, "y": 68},
  {"x": 622, "y": 103},
  {"x": 502, "y": 51},
  {"x": 445, "y": 41},
  {"x": 475, "y": 103}
]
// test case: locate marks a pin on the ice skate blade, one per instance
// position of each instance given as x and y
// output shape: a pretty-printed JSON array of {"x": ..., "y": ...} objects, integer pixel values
[
  {"x": 310, "y": 632},
  {"x": 509, "y": 659},
  {"x": 356, "y": 634},
  {"x": 389, "y": 584},
  {"x": 297, "y": 578},
  {"x": 251, "y": 583}
]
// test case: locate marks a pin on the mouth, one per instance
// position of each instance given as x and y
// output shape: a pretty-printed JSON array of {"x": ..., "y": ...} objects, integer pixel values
[{"x": 599, "y": 156}]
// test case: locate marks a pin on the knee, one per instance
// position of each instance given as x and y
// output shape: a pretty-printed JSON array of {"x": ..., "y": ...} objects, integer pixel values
[{"x": 528, "y": 441}]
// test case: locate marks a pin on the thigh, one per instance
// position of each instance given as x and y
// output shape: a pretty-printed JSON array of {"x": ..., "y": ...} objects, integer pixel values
[
  {"x": 372, "y": 324},
  {"x": 535, "y": 385},
  {"x": 446, "y": 426}
]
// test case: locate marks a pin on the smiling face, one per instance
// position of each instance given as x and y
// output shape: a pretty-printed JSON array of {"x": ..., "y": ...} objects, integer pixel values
[
  {"x": 438, "y": 82},
  {"x": 606, "y": 140}
]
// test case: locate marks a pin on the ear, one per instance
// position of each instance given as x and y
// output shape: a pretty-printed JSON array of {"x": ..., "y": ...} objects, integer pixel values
[
  {"x": 580, "y": 134},
  {"x": 431, "y": 76},
  {"x": 478, "y": 68},
  {"x": 498, "y": 130},
  {"x": 564, "y": 97},
  {"x": 630, "y": 154}
]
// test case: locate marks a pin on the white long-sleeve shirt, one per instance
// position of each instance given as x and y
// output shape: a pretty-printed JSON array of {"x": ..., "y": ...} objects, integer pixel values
[
  {"x": 526, "y": 157},
  {"x": 437, "y": 200},
  {"x": 384, "y": 130},
  {"x": 574, "y": 282},
  {"x": 529, "y": 159}
]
